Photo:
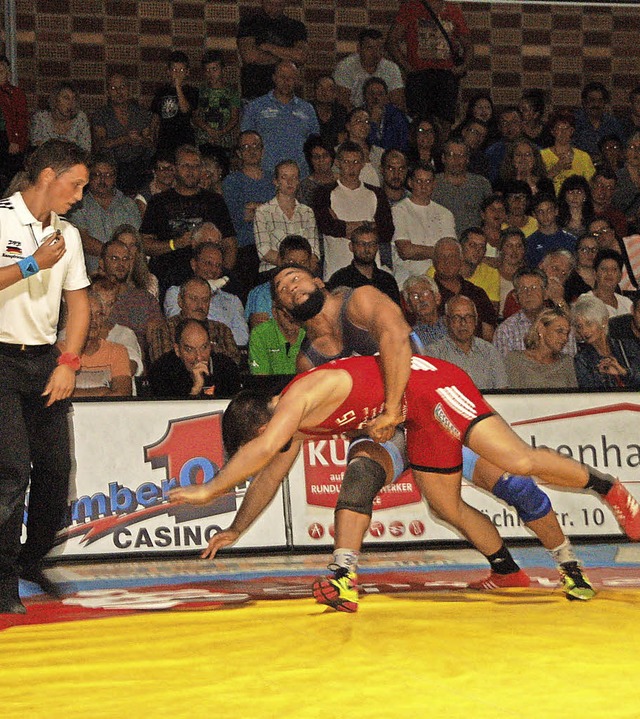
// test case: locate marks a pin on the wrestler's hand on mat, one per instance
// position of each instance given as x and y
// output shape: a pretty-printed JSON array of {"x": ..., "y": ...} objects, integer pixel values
[
  {"x": 198, "y": 494},
  {"x": 218, "y": 541},
  {"x": 381, "y": 429}
]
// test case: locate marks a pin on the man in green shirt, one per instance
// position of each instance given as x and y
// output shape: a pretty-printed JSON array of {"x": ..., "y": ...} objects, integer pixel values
[{"x": 274, "y": 345}]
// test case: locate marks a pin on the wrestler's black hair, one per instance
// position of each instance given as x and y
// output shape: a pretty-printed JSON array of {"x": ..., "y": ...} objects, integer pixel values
[{"x": 241, "y": 421}]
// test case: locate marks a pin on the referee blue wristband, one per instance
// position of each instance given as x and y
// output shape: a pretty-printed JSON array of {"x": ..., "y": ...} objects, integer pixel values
[{"x": 29, "y": 266}]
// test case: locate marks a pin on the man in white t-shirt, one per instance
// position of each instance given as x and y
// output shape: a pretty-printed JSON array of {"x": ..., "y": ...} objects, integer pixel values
[
  {"x": 343, "y": 207},
  {"x": 419, "y": 223},
  {"x": 354, "y": 70},
  {"x": 41, "y": 262}
]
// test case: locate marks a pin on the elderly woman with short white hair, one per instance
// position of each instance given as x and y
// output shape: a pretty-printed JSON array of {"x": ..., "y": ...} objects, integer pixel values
[{"x": 602, "y": 362}]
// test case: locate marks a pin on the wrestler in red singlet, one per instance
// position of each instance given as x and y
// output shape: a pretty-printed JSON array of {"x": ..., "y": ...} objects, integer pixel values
[{"x": 441, "y": 403}]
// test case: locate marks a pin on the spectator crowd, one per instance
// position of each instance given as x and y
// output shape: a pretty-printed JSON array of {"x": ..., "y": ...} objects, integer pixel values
[{"x": 509, "y": 237}]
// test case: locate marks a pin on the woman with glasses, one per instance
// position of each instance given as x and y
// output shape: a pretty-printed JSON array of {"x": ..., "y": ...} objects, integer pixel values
[
  {"x": 542, "y": 364},
  {"x": 583, "y": 277},
  {"x": 358, "y": 125},
  {"x": 424, "y": 142}
]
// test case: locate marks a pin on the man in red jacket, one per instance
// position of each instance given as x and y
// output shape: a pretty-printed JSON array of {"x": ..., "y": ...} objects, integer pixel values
[{"x": 14, "y": 125}]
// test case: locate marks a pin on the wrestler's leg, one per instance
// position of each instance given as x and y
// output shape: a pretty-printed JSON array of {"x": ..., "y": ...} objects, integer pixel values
[
  {"x": 355, "y": 502},
  {"x": 531, "y": 504},
  {"x": 442, "y": 492},
  {"x": 369, "y": 467},
  {"x": 495, "y": 441},
  {"x": 534, "y": 509}
]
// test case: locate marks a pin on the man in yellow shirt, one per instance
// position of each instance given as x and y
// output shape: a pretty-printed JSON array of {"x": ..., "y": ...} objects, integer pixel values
[{"x": 474, "y": 269}]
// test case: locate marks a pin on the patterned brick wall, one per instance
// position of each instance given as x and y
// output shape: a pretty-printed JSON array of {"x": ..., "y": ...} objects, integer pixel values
[{"x": 517, "y": 45}]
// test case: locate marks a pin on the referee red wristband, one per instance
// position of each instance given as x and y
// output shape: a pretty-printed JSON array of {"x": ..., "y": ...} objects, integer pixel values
[{"x": 71, "y": 359}]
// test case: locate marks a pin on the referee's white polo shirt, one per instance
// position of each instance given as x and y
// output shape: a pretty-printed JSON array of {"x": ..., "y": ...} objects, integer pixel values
[{"x": 29, "y": 309}]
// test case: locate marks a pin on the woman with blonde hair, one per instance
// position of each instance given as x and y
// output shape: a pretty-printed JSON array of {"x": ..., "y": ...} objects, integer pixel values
[
  {"x": 542, "y": 364},
  {"x": 139, "y": 273}
]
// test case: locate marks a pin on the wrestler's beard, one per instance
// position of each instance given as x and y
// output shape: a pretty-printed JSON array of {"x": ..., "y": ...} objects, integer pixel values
[{"x": 309, "y": 308}]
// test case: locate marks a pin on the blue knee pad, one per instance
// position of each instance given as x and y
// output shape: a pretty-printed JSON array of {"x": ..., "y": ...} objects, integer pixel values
[{"x": 524, "y": 495}]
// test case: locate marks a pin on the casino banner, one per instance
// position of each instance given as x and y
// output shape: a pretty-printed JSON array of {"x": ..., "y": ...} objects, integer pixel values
[
  {"x": 128, "y": 456},
  {"x": 599, "y": 429}
]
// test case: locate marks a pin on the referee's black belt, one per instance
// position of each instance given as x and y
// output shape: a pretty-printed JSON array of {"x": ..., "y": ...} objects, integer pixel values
[{"x": 15, "y": 350}]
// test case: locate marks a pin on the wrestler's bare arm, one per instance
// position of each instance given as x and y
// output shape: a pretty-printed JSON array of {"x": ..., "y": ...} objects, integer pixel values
[
  {"x": 382, "y": 318},
  {"x": 252, "y": 457},
  {"x": 309, "y": 401},
  {"x": 260, "y": 493}
]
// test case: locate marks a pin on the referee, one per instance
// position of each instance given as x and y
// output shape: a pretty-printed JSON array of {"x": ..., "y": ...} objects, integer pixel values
[{"x": 41, "y": 263}]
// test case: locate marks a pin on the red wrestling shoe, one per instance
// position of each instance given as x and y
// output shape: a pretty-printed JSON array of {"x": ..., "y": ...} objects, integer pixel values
[
  {"x": 502, "y": 581},
  {"x": 625, "y": 509}
]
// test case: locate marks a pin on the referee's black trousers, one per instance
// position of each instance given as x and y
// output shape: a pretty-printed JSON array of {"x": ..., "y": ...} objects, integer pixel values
[{"x": 34, "y": 444}]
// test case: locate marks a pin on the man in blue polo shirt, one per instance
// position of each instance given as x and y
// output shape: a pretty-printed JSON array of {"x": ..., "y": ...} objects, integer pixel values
[
  {"x": 283, "y": 120},
  {"x": 549, "y": 236}
]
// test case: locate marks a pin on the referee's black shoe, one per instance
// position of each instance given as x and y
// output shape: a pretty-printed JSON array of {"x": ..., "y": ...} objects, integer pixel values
[
  {"x": 9, "y": 598},
  {"x": 33, "y": 573}
]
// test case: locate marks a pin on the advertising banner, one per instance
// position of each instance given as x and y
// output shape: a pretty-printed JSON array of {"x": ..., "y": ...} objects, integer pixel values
[
  {"x": 128, "y": 456},
  {"x": 598, "y": 429}
]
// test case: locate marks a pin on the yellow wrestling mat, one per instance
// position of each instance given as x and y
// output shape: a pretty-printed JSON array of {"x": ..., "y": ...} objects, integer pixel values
[{"x": 514, "y": 654}]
